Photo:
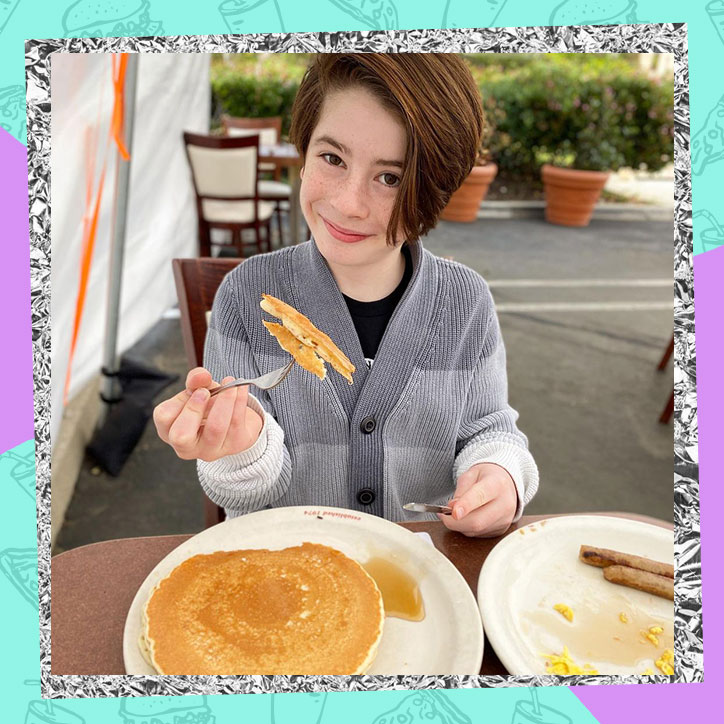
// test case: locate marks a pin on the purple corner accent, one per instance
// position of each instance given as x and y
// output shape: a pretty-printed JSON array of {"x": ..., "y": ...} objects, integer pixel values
[
  {"x": 682, "y": 702},
  {"x": 16, "y": 421}
]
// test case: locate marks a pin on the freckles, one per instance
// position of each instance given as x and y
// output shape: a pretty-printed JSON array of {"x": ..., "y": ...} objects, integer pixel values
[
  {"x": 311, "y": 185},
  {"x": 316, "y": 186}
]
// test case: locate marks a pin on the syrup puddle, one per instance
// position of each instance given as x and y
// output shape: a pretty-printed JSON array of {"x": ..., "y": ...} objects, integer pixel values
[
  {"x": 400, "y": 592},
  {"x": 597, "y": 636}
]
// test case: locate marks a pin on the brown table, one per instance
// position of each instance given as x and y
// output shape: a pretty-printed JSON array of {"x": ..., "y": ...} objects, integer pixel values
[
  {"x": 285, "y": 155},
  {"x": 93, "y": 587}
]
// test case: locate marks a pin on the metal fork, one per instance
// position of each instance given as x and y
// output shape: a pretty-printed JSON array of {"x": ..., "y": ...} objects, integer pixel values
[{"x": 264, "y": 382}]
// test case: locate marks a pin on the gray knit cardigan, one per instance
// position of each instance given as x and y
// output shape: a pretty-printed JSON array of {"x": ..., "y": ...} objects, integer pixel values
[{"x": 436, "y": 393}]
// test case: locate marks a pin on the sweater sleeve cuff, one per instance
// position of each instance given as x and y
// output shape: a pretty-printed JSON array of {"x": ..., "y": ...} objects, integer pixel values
[
  {"x": 250, "y": 479},
  {"x": 255, "y": 452},
  {"x": 515, "y": 460}
]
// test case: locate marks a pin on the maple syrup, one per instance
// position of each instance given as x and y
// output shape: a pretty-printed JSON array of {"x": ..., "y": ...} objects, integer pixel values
[{"x": 400, "y": 593}]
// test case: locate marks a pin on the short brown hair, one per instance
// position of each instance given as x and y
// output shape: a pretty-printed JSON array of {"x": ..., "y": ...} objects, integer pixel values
[{"x": 436, "y": 99}]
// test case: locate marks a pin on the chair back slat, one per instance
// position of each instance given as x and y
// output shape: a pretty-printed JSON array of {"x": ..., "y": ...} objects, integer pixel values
[
  {"x": 224, "y": 172},
  {"x": 269, "y": 128},
  {"x": 197, "y": 281},
  {"x": 267, "y": 136}
]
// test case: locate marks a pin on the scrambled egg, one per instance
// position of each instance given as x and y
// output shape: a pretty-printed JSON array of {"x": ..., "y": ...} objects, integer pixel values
[
  {"x": 622, "y": 617},
  {"x": 666, "y": 662},
  {"x": 651, "y": 634},
  {"x": 564, "y": 664},
  {"x": 564, "y": 610},
  {"x": 648, "y": 672}
]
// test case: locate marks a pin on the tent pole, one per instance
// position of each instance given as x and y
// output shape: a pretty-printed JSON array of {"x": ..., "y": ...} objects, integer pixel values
[{"x": 110, "y": 386}]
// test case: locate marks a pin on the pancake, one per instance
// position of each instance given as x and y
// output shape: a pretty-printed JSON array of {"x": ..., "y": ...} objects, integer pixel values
[
  {"x": 304, "y": 356},
  {"x": 303, "y": 610},
  {"x": 309, "y": 335}
]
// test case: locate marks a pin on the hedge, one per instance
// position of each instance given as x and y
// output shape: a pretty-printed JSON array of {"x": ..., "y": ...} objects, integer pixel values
[
  {"x": 591, "y": 120},
  {"x": 250, "y": 97}
]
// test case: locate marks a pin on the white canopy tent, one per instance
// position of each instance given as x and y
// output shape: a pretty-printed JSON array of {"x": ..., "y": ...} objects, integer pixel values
[{"x": 172, "y": 95}]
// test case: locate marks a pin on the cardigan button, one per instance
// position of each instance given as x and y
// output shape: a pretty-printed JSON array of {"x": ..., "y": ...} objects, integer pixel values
[
  {"x": 368, "y": 425},
  {"x": 366, "y": 496}
]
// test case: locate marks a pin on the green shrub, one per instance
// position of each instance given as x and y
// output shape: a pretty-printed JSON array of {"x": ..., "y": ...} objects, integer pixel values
[
  {"x": 590, "y": 117},
  {"x": 612, "y": 61},
  {"x": 246, "y": 96},
  {"x": 286, "y": 66},
  {"x": 644, "y": 128}
]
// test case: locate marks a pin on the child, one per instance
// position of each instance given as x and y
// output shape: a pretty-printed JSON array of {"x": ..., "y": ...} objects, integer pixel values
[{"x": 386, "y": 139}]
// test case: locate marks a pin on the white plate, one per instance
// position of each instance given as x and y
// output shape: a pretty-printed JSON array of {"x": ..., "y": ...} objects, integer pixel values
[
  {"x": 449, "y": 640},
  {"x": 537, "y": 567}
]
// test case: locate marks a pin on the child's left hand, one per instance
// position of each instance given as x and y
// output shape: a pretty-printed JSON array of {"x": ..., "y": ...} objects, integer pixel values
[{"x": 484, "y": 503}]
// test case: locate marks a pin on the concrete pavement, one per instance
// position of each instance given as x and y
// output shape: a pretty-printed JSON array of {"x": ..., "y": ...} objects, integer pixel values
[{"x": 586, "y": 315}]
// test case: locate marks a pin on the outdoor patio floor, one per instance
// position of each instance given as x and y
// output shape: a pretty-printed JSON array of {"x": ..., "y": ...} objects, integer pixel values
[{"x": 581, "y": 367}]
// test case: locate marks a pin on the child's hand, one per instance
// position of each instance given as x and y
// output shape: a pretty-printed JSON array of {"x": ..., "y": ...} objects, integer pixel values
[
  {"x": 485, "y": 502},
  {"x": 197, "y": 426}
]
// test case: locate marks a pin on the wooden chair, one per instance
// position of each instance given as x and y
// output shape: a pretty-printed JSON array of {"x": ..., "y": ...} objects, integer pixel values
[
  {"x": 668, "y": 411},
  {"x": 196, "y": 283},
  {"x": 224, "y": 173},
  {"x": 270, "y": 132}
]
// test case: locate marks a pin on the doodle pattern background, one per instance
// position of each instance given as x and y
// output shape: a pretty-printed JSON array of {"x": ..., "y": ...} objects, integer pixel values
[{"x": 687, "y": 444}]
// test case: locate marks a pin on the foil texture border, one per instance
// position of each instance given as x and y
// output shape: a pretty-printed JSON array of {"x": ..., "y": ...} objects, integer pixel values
[{"x": 634, "y": 38}]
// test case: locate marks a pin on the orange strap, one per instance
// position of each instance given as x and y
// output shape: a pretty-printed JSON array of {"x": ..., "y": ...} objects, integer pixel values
[
  {"x": 86, "y": 255},
  {"x": 119, "y": 81},
  {"x": 92, "y": 207}
]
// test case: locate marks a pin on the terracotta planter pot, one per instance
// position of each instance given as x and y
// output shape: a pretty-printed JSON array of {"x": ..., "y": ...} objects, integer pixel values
[
  {"x": 571, "y": 195},
  {"x": 465, "y": 202}
]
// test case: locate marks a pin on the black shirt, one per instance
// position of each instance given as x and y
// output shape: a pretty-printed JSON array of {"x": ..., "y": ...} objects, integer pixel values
[{"x": 370, "y": 318}]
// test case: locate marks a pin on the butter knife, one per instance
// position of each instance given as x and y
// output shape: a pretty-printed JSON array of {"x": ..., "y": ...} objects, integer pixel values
[{"x": 425, "y": 508}]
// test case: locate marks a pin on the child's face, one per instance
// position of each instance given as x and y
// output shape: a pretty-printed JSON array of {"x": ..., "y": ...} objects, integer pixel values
[{"x": 351, "y": 175}]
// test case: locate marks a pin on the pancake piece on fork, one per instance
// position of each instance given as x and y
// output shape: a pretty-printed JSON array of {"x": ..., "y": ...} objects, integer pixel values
[
  {"x": 304, "y": 356},
  {"x": 306, "y": 333}
]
